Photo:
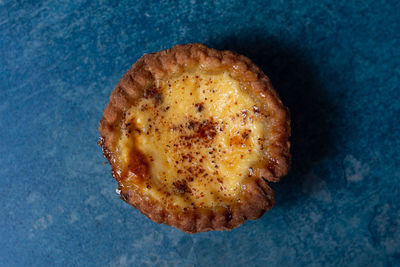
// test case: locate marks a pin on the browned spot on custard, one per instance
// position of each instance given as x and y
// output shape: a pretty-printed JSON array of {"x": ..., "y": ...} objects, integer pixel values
[
  {"x": 198, "y": 131},
  {"x": 199, "y": 107},
  {"x": 207, "y": 129},
  {"x": 241, "y": 139},
  {"x": 181, "y": 187},
  {"x": 245, "y": 134},
  {"x": 138, "y": 167}
]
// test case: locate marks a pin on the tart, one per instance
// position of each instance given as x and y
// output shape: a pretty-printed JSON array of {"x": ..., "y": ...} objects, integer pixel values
[{"x": 194, "y": 135}]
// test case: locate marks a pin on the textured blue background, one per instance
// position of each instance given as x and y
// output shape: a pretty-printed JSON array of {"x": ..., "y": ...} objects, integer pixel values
[{"x": 336, "y": 64}]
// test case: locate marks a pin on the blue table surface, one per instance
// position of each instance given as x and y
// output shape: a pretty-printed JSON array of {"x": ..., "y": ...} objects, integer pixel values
[{"x": 336, "y": 64}]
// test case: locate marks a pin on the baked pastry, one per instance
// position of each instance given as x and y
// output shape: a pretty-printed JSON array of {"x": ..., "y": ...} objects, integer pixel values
[{"x": 193, "y": 134}]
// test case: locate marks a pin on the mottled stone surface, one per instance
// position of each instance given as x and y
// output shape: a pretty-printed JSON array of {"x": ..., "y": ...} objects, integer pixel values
[{"x": 336, "y": 64}]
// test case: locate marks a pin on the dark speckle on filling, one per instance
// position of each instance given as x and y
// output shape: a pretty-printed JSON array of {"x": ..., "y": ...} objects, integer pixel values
[
  {"x": 199, "y": 131},
  {"x": 207, "y": 129},
  {"x": 181, "y": 187},
  {"x": 199, "y": 107}
]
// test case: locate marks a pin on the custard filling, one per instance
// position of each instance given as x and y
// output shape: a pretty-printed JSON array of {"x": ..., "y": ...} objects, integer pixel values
[{"x": 195, "y": 137}]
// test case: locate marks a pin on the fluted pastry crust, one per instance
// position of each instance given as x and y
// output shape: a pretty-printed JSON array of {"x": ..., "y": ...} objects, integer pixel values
[{"x": 256, "y": 196}]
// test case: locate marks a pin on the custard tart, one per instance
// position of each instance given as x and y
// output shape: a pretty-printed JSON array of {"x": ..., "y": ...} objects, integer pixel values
[{"x": 194, "y": 135}]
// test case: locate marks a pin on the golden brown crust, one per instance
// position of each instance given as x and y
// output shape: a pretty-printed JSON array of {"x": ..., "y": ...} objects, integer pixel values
[{"x": 257, "y": 196}]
